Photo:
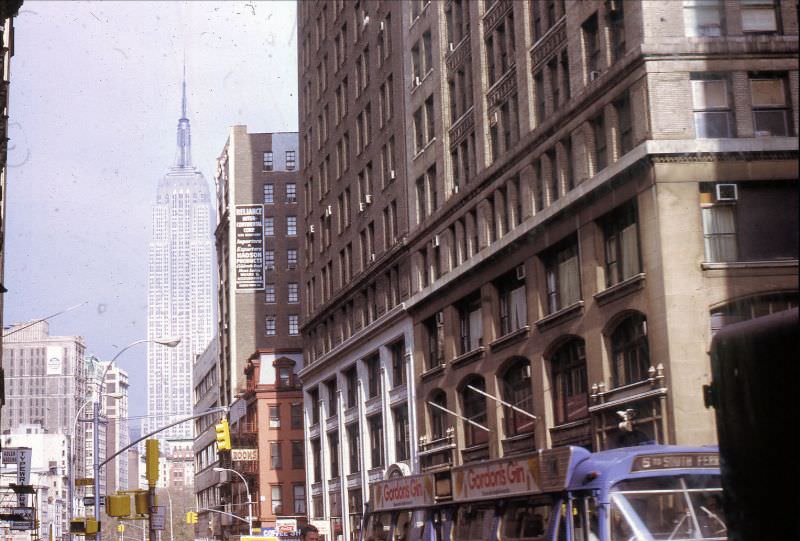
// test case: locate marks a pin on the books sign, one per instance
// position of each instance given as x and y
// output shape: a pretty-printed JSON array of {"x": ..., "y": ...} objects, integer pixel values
[{"x": 244, "y": 455}]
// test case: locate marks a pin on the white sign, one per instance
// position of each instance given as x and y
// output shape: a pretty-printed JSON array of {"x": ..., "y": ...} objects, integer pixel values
[
  {"x": 23, "y": 518},
  {"x": 285, "y": 525},
  {"x": 244, "y": 455},
  {"x": 55, "y": 361},
  {"x": 323, "y": 526},
  {"x": 249, "y": 225},
  {"x": 157, "y": 517}
]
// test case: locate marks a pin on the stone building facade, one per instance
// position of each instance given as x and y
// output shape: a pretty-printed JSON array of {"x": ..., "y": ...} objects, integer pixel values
[{"x": 590, "y": 190}]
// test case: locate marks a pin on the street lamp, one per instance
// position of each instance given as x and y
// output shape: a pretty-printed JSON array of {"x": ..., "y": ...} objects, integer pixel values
[
  {"x": 249, "y": 499},
  {"x": 166, "y": 341}
]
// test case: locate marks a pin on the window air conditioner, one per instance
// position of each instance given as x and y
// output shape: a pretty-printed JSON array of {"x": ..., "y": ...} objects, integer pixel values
[
  {"x": 392, "y": 174},
  {"x": 727, "y": 192},
  {"x": 417, "y": 82},
  {"x": 520, "y": 272},
  {"x": 383, "y": 26},
  {"x": 594, "y": 75},
  {"x": 440, "y": 318},
  {"x": 328, "y": 211},
  {"x": 371, "y": 258},
  {"x": 362, "y": 207},
  {"x": 311, "y": 229},
  {"x": 435, "y": 241},
  {"x": 368, "y": 198},
  {"x": 452, "y": 46},
  {"x": 455, "y": 188}
]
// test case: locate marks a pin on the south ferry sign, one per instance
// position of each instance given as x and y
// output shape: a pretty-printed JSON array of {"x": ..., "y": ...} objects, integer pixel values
[{"x": 403, "y": 492}]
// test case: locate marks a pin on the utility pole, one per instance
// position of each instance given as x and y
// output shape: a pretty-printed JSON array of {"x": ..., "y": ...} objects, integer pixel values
[{"x": 151, "y": 472}]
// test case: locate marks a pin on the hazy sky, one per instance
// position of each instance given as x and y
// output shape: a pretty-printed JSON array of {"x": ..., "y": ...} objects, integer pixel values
[{"x": 95, "y": 100}]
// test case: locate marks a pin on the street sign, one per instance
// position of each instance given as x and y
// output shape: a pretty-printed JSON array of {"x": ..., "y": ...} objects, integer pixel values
[
  {"x": 157, "y": 516},
  {"x": 88, "y": 501},
  {"x": 84, "y": 482}
]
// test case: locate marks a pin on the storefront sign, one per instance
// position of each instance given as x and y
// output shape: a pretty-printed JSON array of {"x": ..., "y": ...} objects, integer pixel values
[
  {"x": 323, "y": 526},
  {"x": 285, "y": 526},
  {"x": 249, "y": 222},
  {"x": 244, "y": 455},
  {"x": 504, "y": 477},
  {"x": 403, "y": 493}
]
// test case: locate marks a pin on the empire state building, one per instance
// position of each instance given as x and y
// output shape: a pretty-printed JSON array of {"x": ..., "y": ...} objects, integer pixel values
[{"x": 179, "y": 297}]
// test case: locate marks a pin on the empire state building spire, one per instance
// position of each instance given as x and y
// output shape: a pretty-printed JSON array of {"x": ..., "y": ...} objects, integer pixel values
[{"x": 183, "y": 155}]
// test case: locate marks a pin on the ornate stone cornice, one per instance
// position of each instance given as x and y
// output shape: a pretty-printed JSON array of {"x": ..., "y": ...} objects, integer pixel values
[
  {"x": 550, "y": 44},
  {"x": 495, "y": 14},
  {"x": 503, "y": 88}
]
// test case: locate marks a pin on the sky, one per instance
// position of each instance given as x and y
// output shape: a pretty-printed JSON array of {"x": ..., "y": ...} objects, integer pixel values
[{"x": 94, "y": 103}]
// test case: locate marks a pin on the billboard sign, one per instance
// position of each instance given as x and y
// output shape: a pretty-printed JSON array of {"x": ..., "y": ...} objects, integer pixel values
[
  {"x": 403, "y": 492},
  {"x": 249, "y": 224},
  {"x": 55, "y": 361}
]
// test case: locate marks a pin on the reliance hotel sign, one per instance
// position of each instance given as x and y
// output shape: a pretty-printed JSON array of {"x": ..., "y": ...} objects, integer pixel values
[
  {"x": 403, "y": 493},
  {"x": 249, "y": 222}
]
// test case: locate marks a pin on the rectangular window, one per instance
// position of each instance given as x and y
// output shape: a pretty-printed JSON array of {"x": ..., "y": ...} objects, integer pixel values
[
  {"x": 351, "y": 380},
  {"x": 293, "y": 290},
  {"x": 621, "y": 245},
  {"x": 375, "y": 424},
  {"x": 600, "y": 151},
  {"x": 770, "y": 106},
  {"x": 354, "y": 447},
  {"x": 275, "y": 499},
  {"x": 313, "y": 398},
  {"x": 712, "y": 110},
  {"x": 269, "y": 293},
  {"x": 269, "y": 193},
  {"x": 291, "y": 192},
  {"x": 291, "y": 258},
  {"x": 291, "y": 226},
  {"x": 513, "y": 303},
  {"x": 401, "y": 432},
  {"x": 759, "y": 16},
  {"x": 702, "y": 18},
  {"x": 268, "y": 161},
  {"x": 299, "y": 492},
  {"x": 274, "y": 415},
  {"x": 269, "y": 260},
  {"x": 298, "y": 455},
  {"x": 275, "y": 455},
  {"x": 294, "y": 325},
  {"x": 291, "y": 160},
  {"x": 333, "y": 454},
  {"x": 592, "y": 50},
  {"x": 270, "y": 325},
  {"x": 296, "y": 411},
  {"x": 470, "y": 324},
  {"x": 622, "y": 106},
  {"x": 562, "y": 272},
  {"x": 398, "y": 353},
  {"x": 373, "y": 375},
  {"x": 269, "y": 227}
]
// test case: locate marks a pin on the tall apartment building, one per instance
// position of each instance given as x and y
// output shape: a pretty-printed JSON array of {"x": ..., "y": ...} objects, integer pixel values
[
  {"x": 590, "y": 189},
  {"x": 8, "y": 10},
  {"x": 205, "y": 377},
  {"x": 359, "y": 393},
  {"x": 115, "y": 410},
  {"x": 95, "y": 368},
  {"x": 179, "y": 288},
  {"x": 259, "y": 244}
]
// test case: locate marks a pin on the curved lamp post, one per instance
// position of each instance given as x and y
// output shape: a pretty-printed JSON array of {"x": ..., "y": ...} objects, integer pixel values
[
  {"x": 249, "y": 499},
  {"x": 166, "y": 341}
]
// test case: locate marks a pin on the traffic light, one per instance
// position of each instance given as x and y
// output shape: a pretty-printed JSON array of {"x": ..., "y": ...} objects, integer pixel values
[
  {"x": 140, "y": 503},
  {"x": 118, "y": 505},
  {"x": 191, "y": 517},
  {"x": 223, "y": 435},
  {"x": 151, "y": 461},
  {"x": 83, "y": 525}
]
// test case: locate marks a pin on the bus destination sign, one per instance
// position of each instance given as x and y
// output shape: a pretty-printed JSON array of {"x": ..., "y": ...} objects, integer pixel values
[{"x": 675, "y": 461}]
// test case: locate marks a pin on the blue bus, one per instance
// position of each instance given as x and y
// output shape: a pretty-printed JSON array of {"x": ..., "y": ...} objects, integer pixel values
[{"x": 643, "y": 493}]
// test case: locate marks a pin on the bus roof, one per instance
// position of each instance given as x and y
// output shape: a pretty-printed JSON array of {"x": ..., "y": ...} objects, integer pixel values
[{"x": 601, "y": 470}]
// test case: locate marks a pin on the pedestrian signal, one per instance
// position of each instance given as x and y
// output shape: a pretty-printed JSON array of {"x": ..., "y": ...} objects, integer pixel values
[
  {"x": 151, "y": 461},
  {"x": 191, "y": 517}
]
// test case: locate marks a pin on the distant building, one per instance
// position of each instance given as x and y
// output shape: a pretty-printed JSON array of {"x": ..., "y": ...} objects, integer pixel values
[
  {"x": 115, "y": 409},
  {"x": 206, "y": 481},
  {"x": 179, "y": 288},
  {"x": 260, "y": 234},
  {"x": 95, "y": 368},
  {"x": 45, "y": 383},
  {"x": 49, "y": 471},
  {"x": 8, "y": 10}
]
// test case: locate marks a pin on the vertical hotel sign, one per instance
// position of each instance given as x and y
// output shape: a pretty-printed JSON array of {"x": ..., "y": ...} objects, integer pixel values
[{"x": 249, "y": 222}]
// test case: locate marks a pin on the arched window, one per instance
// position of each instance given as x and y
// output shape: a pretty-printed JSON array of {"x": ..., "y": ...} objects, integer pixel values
[
  {"x": 474, "y": 409},
  {"x": 516, "y": 386},
  {"x": 629, "y": 351},
  {"x": 438, "y": 417},
  {"x": 568, "y": 369}
]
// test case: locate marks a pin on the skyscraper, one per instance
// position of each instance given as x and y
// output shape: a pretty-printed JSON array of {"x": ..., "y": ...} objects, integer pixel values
[{"x": 179, "y": 287}]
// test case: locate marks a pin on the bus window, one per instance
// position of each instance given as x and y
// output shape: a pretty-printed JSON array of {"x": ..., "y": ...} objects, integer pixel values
[
  {"x": 378, "y": 527},
  {"x": 585, "y": 523},
  {"x": 402, "y": 525},
  {"x": 525, "y": 521},
  {"x": 417, "y": 528},
  {"x": 474, "y": 523},
  {"x": 677, "y": 507},
  {"x": 440, "y": 524}
]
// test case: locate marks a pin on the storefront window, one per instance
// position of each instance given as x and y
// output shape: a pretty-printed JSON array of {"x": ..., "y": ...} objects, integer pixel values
[
  {"x": 474, "y": 523},
  {"x": 526, "y": 520}
]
